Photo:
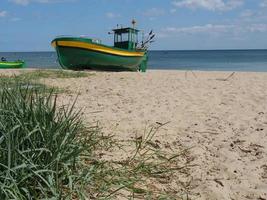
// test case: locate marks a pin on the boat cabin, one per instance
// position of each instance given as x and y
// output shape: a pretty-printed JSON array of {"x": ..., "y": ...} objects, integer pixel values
[{"x": 126, "y": 38}]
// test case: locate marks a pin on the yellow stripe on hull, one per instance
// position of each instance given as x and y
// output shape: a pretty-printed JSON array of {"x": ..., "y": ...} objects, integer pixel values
[
  {"x": 10, "y": 64},
  {"x": 95, "y": 47}
]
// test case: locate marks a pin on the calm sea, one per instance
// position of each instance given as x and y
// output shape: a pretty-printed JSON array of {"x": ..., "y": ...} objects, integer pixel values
[{"x": 210, "y": 60}]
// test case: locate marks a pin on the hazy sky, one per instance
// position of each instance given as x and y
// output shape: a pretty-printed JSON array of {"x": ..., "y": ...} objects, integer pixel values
[{"x": 30, "y": 25}]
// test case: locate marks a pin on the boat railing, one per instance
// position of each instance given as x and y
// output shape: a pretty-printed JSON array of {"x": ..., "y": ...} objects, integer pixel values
[{"x": 95, "y": 40}]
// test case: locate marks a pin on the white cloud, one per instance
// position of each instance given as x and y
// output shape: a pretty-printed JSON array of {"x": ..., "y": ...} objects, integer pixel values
[
  {"x": 21, "y": 2},
  {"x": 173, "y": 10},
  {"x": 208, "y": 28},
  {"x": 257, "y": 28},
  {"x": 154, "y": 12},
  {"x": 26, "y": 2},
  {"x": 3, "y": 13},
  {"x": 15, "y": 19},
  {"x": 214, "y": 29},
  {"x": 256, "y": 16},
  {"x": 247, "y": 13},
  {"x": 263, "y": 4},
  {"x": 111, "y": 15},
  {"x": 212, "y": 5}
]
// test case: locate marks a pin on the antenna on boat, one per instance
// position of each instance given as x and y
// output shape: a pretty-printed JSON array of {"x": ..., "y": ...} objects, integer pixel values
[
  {"x": 148, "y": 40},
  {"x": 133, "y": 23}
]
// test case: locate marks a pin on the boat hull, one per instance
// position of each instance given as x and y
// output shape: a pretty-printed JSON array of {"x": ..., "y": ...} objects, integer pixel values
[
  {"x": 78, "y": 54},
  {"x": 11, "y": 65}
]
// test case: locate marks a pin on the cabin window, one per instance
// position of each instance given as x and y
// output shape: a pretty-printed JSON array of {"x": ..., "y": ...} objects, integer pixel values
[
  {"x": 116, "y": 38},
  {"x": 123, "y": 37},
  {"x": 134, "y": 37}
]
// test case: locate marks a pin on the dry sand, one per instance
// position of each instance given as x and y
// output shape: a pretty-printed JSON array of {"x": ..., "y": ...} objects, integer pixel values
[{"x": 224, "y": 121}]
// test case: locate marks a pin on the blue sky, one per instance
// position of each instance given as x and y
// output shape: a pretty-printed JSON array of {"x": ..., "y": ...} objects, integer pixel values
[{"x": 30, "y": 25}]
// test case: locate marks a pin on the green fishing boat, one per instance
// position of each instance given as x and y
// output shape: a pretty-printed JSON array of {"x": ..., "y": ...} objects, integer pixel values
[
  {"x": 78, "y": 53},
  {"x": 11, "y": 64}
]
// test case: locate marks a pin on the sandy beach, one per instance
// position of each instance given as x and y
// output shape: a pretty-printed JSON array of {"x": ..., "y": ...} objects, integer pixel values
[
  {"x": 221, "y": 117},
  {"x": 224, "y": 122}
]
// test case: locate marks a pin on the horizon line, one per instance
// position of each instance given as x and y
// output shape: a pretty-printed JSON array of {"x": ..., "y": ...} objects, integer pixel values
[{"x": 238, "y": 49}]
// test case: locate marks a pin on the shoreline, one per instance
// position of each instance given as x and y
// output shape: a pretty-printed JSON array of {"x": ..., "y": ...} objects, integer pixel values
[{"x": 148, "y": 71}]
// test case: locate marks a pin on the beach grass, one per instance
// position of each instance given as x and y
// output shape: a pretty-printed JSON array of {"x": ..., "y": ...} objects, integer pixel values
[
  {"x": 41, "y": 74},
  {"x": 41, "y": 145},
  {"x": 34, "y": 78},
  {"x": 148, "y": 171},
  {"x": 47, "y": 152}
]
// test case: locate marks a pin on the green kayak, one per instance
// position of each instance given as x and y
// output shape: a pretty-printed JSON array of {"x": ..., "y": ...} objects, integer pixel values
[{"x": 11, "y": 64}]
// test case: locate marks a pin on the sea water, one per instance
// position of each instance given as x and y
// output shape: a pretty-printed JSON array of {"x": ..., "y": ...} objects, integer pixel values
[{"x": 205, "y": 60}]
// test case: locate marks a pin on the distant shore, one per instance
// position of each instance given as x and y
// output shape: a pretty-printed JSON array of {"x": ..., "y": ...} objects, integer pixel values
[{"x": 220, "y": 116}]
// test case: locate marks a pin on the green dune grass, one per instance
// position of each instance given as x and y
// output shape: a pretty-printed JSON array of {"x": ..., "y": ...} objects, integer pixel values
[{"x": 47, "y": 152}]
